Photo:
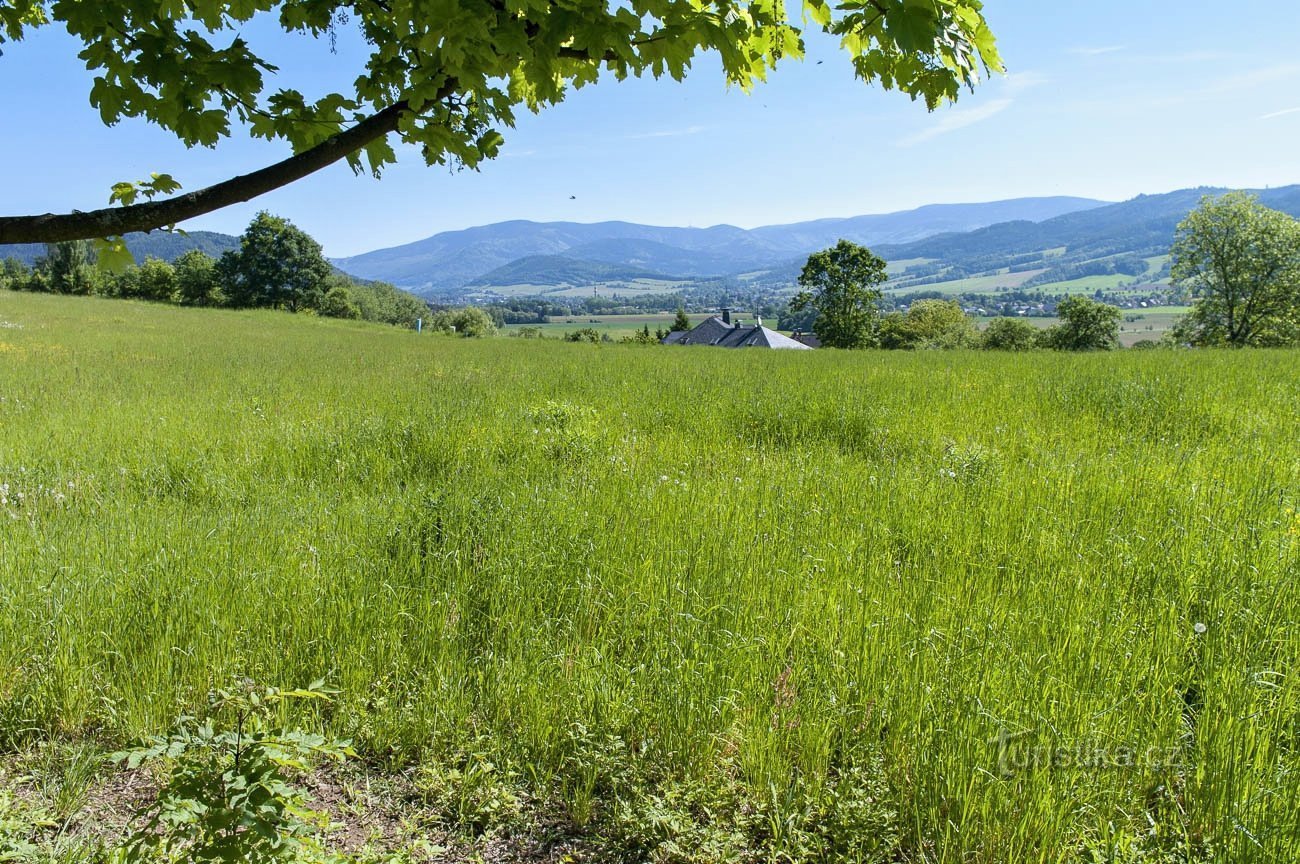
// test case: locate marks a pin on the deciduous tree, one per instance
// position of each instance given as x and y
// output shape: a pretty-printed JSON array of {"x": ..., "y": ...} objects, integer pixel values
[
  {"x": 277, "y": 265},
  {"x": 68, "y": 268},
  {"x": 1010, "y": 334},
  {"x": 1241, "y": 261},
  {"x": 929, "y": 324},
  {"x": 445, "y": 78},
  {"x": 196, "y": 279},
  {"x": 840, "y": 283},
  {"x": 1086, "y": 325}
]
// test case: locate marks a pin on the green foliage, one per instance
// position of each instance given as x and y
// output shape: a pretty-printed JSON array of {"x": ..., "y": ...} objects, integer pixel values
[
  {"x": 1010, "y": 334},
  {"x": 196, "y": 279},
  {"x": 1241, "y": 261},
  {"x": 339, "y": 303},
  {"x": 69, "y": 268},
  {"x": 1086, "y": 325},
  {"x": 681, "y": 323},
  {"x": 157, "y": 281},
  {"x": 14, "y": 274},
  {"x": 230, "y": 794},
  {"x": 471, "y": 792},
  {"x": 644, "y": 337},
  {"x": 840, "y": 283},
  {"x": 466, "y": 71},
  {"x": 385, "y": 304},
  {"x": 470, "y": 322},
  {"x": 277, "y": 266},
  {"x": 127, "y": 191},
  {"x": 584, "y": 334},
  {"x": 929, "y": 324}
]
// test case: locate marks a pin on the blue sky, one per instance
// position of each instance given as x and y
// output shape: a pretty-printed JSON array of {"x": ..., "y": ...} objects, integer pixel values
[{"x": 1103, "y": 99}]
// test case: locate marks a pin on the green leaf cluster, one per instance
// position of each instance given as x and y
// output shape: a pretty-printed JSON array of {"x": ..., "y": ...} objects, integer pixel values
[
  {"x": 465, "y": 66},
  {"x": 230, "y": 792}
]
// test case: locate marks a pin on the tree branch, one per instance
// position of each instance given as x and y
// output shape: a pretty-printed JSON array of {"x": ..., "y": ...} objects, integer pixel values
[{"x": 112, "y": 221}]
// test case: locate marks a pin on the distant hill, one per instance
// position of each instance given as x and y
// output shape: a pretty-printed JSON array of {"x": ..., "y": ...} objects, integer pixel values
[
  {"x": 555, "y": 270},
  {"x": 913, "y": 225},
  {"x": 1101, "y": 239},
  {"x": 454, "y": 259},
  {"x": 1145, "y": 224},
  {"x": 158, "y": 244}
]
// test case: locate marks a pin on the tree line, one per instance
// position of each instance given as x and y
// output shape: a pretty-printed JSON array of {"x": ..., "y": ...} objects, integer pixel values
[{"x": 277, "y": 266}]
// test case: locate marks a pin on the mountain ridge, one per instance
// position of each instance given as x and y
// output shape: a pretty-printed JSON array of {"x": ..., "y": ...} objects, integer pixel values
[{"x": 452, "y": 259}]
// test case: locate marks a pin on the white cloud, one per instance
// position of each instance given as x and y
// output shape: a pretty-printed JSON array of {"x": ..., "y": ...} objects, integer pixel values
[
  {"x": 1282, "y": 113},
  {"x": 667, "y": 133},
  {"x": 958, "y": 118}
]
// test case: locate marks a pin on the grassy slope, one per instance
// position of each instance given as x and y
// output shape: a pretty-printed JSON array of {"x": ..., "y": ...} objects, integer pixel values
[{"x": 594, "y": 563}]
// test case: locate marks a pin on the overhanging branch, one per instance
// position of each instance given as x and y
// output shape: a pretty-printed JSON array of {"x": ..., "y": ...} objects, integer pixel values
[{"x": 112, "y": 221}]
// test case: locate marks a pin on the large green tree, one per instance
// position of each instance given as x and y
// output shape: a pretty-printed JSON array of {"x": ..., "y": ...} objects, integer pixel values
[
  {"x": 1241, "y": 261},
  {"x": 277, "y": 265},
  {"x": 840, "y": 283},
  {"x": 444, "y": 75}
]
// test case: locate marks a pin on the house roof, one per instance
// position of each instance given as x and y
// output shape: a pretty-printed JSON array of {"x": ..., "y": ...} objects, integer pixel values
[{"x": 716, "y": 332}]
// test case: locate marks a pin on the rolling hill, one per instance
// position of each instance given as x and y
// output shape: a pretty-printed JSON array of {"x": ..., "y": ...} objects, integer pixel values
[
  {"x": 1113, "y": 238},
  {"x": 556, "y": 270},
  {"x": 451, "y": 260},
  {"x": 157, "y": 244}
]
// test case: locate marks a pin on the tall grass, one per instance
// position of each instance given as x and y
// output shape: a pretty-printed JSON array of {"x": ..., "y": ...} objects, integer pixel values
[{"x": 1049, "y": 602}]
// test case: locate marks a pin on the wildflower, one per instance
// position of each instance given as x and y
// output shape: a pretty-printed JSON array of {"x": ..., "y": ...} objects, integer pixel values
[{"x": 1198, "y": 628}]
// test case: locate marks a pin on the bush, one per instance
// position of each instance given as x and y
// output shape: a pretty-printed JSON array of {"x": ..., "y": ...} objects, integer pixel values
[
  {"x": 338, "y": 303},
  {"x": 586, "y": 334},
  {"x": 928, "y": 324},
  {"x": 156, "y": 280},
  {"x": 1010, "y": 334},
  {"x": 470, "y": 322}
]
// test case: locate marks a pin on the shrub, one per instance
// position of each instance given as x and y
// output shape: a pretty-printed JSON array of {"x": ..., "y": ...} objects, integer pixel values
[
  {"x": 1010, "y": 334},
  {"x": 586, "y": 334},
  {"x": 470, "y": 322},
  {"x": 338, "y": 303},
  {"x": 229, "y": 793}
]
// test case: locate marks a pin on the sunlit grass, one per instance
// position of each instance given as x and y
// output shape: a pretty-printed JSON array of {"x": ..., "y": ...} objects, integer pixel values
[{"x": 764, "y": 566}]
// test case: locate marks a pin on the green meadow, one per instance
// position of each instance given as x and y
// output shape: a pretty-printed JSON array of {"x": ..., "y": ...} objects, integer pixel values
[{"x": 675, "y": 604}]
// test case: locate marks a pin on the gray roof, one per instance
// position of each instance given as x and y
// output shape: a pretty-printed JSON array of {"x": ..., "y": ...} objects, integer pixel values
[{"x": 719, "y": 333}]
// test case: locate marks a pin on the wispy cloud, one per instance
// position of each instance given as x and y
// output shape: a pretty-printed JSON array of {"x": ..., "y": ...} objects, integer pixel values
[
  {"x": 667, "y": 133},
  {"x": 1097, "y": 51},
  {"x": 1255, "y": 77},
  {"x": 960, "y": 118},
  {"x": 1282, "y": 113}
]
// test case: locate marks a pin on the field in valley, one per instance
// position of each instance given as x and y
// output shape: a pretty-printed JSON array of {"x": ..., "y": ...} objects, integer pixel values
[{"x": 672, "y": 605}]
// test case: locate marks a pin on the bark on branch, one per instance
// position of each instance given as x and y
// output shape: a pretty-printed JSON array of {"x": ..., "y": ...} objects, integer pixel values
[{"x": 111, "y": 221}]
